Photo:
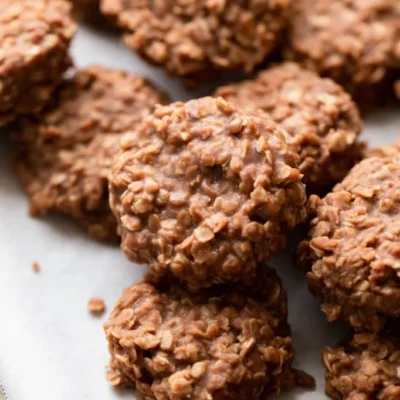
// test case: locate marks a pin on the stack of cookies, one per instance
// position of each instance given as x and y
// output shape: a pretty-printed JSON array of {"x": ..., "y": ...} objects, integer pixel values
[{"x": 206, "y": 192}]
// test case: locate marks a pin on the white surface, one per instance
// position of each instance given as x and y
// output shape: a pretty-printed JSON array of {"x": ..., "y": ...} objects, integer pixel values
[{"x": 50, "y": 346}]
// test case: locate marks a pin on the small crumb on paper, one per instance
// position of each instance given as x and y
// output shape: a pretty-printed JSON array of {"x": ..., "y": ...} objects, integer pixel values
[
  {"x": 96, "y": 305},
  {"x": 36, "y": 267}
]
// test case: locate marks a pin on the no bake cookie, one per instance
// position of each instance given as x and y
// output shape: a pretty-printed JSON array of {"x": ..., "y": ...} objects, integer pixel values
[
  {"x": 226, "y": 342},
  {"x": 191, "y": 37},
  {"x": 367, "y": 367},
  {"x": 318, "y": 114},
  {"x": 64, "y": 154},
  {"x": 355, "y": 42},
  {"x": 205, "y": 192},
  {"x": 353, "y": 252}
]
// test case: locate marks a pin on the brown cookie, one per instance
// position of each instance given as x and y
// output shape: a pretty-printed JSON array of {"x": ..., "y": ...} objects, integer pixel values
[
  {"x": 205, "y": 192},
  {"x": 354, "y": 42},
  {"x": 34, "y": 43},
  {"x": 65, "y": 153},
  {"x": 353, "y": 252},
  {"x": 223, "y": 343},
  {"x": 319, "y": 115},
  {"x": 367, "y": 367},
  {"x": 190, "y": 37}
]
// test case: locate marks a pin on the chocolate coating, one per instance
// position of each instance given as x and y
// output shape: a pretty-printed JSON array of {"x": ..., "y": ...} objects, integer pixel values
[
  {"x": 353, "y": 252},
  {"x": 226, "y": 342},
  {"x": 190, "y": 37},
  {"x": 34, "y": 44},
  {"x": 205, "y": 192},
  {"x": 367, "y": 367},
  {"x": 354, "y": 42},
  {"x": 64, "y": 155},
  {"x": 319, "y": 116}
]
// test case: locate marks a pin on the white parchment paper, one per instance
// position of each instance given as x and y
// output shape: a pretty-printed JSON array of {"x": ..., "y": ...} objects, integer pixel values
[{"x": 51, "y": 348}]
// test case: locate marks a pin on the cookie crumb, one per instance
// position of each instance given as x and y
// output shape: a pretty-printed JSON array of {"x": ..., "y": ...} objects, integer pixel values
[
  {"x": 36, "y": 267},
  {"x": 96, "y": 305}
]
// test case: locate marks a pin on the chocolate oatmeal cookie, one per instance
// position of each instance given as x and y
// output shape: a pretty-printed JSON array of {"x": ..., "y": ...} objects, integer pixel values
[
  {"x": 64, "y": 154},
  {"x": 226, "y": 342},
  {"x": 189, "y": 37},
  {"x": 86, "y": 9},
  {"x": 319, "y": 115},
  {"x": 205, "y": 192},
  {"x": 352, "y": 41},
  {"x": 353, "y": 252},
  {"x": 34, "y": 42},
  {"x": 367, "y": 367}
]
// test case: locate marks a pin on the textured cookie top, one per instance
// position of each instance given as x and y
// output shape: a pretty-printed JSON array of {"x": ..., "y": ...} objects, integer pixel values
[
  {"x": 87, "y": 9},
  {"x": 205, "y": 191},
  {"x": 190, "y": 36},
  {"x": 319, "y": 115},
  {"x": 354, "y": 248},
  {"x": 365, "y": 368},
  {"x": 347, "y": 40},
  {"x": 65, "y": 153},
  {"x": 385, "y": 151},
  {"x": 30, "y": 29},
  {"x": 227, "y": 342},
  {"x": 32, "y": 34},
  {"x": 94, "y": 101}
]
